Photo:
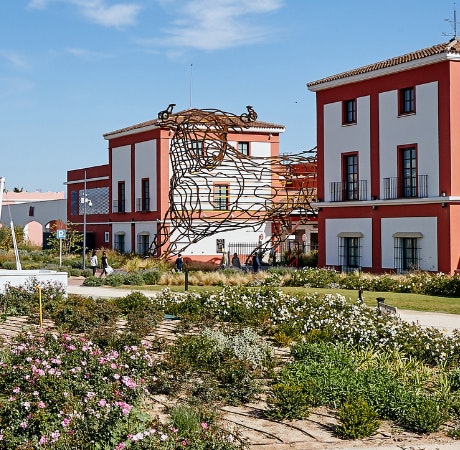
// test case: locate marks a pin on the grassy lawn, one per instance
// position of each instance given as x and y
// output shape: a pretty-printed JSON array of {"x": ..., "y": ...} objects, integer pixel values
[{"x": 414, "y": 302}]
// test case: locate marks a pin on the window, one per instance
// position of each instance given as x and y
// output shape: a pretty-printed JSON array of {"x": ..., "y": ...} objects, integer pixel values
[
  {"x": 145, "y": 206},
  {"x": 106, "y": 237},
  {"x": 349, "y": 251},
  {"x": 119, "y": 244},
  {"x": 408, "y": 164},
  {"x": 143, "y": 244},
  {"x": 350, "y": 177},
  {"x": 221, "y": 197},
  {"x": 197, "y": 149},
  {"x": 74, "y": 202},
  {"x": 121, "y": 197},
  {"x": 407, "y": 253},
  {"x": 349, "y": 111},
  {"x": 243, "y": 147},
  {"x": 407, "y": 101}
]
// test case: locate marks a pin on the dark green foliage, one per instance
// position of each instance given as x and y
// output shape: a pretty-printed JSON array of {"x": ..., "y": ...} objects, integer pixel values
[
  {"x": 140, "y": 312},
  {"x": 329, "y": 375},
  {"x": 93, "y": 281},
  {"x": 82, "y": 314},
  {"x": 287, "y": 401},
  {"x": 237, "y": 381},
  {"x": 422, "y": 413},
  {"x": 115, "y": 279},
  {"x": 151, "y": 276},
  {"x": 357, "y": 419},
  {"x": 134, "y": 279}
]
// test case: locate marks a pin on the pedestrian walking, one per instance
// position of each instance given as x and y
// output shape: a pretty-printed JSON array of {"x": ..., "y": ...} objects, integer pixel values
[{"x": 93, "y": 262}]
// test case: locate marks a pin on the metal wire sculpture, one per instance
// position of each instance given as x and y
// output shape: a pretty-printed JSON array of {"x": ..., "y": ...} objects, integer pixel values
[{"x": 214, "y": 187}]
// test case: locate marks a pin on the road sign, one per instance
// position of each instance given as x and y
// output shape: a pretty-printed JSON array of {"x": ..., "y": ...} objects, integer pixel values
[{"x": 60, "y": 234}]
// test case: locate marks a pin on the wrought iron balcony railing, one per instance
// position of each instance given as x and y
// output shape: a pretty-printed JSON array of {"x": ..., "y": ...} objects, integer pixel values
[
  {"x": 143, "y": 204},
  {"x": 400, "y": 187},
  {"x": 342, "y": 191}
]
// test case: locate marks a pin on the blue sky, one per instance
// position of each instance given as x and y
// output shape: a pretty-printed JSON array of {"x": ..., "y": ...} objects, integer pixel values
[{"x": 72, "y": 70}]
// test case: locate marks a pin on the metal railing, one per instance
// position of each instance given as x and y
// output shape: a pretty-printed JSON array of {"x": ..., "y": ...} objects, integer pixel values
[
  {"x": 399, "y": 187},
  {"x": 118, "y": 206},
  {"x": 343, "y": 191},
  {"x": 143, "y": 204}
]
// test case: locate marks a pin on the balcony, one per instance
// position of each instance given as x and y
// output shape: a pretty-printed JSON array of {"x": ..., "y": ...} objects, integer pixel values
[
  {"x": 143, "y": 204},
  {"x": 341, "y": 191},
  {"x": 118, "y": 206},
  {"x": 399, "y": 187}
]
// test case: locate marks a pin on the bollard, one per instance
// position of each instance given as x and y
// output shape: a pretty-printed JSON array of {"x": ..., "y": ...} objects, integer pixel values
[
  {"x": 360, "y": 294},
  {"x": 40, "y": 306},
  {"x": 186, "y": 280}
]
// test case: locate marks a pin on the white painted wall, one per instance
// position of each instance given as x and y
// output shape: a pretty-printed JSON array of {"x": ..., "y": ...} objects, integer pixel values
[
  {"x": 146, "y": 167},
  {"x": 121, "y": 171},
  {"x": 420, "y": 128},
  {"x": 44, "y": 212},
  {"x": 123, "y": 227},
  {"x": 340, "y": 139},
  {"x": 23, "y": 277},
  {"x": 428, "y": 243},
  {"x": 336, "y": 226},
  {"x": 207, "y": 246},
  {"x": 149, "y": 228}
]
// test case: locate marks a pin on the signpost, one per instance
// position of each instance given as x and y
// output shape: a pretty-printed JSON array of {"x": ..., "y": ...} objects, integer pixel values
[{"x": 60, "y": 234}]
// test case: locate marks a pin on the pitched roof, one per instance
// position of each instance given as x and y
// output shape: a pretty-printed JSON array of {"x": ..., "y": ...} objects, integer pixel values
[
  {"x": 200, "y": 115},
  {"x": 448, "y": 48}
]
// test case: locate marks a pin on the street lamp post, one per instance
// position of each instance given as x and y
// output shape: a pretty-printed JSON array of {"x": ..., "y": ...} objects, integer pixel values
[
  {"x": 84, "y": 223},
  {"x": 86, "y": 201}
]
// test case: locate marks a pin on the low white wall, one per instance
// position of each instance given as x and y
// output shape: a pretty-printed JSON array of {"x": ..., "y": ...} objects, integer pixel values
[{"x": 22, "y": 277}]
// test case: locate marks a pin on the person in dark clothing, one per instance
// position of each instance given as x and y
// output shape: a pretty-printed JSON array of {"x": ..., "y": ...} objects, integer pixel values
[
  {"x": 255, "y": 263},
  {"x": 179, "y": 263},
  {"x": 104, "y": 264},
  {"x": 236, "y": 263}
]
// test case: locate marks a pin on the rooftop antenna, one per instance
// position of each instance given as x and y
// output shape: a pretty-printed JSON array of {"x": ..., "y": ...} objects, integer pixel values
[
  {"x": 454, "y": 23},
  {"x": 191, "y": 73}
]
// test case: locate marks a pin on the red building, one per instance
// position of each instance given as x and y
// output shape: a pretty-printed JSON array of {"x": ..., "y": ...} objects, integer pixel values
[
  {"x": 388, "y": 151},
  {"x": 122, "y": 204}
]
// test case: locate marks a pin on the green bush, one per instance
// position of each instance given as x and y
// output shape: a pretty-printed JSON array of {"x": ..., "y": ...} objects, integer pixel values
[
  {"x": 422, "y": 413},
  {"x": 357, "y": 419},
  {"x": 115, "y": 279},
  {"x": 81, "y": 314},
  {"x": 134, "y": 279},
  {"x": 140, "y": 312},
  {"x": 237, "y": 381},
  {"x": 287, "y": 401},
  {"x": 151, "y": 276},
  {"x": 93, "y": 281}
]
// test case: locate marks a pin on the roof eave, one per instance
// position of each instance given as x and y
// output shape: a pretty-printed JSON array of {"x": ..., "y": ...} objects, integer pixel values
[{"x": 434, "y": 59}]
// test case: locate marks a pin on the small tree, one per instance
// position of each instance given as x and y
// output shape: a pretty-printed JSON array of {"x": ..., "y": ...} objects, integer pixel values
[
  {"x": 72, "y": 243},
  {"x": 6, "y": 237}
]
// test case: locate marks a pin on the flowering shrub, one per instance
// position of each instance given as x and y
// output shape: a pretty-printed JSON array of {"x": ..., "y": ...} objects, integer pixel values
[
  {"x": 328, "y": 316},
  {"x": 63, "y": 392},
  {"x": 23, "y": 300},
  {"x": 415, "y": 283}
]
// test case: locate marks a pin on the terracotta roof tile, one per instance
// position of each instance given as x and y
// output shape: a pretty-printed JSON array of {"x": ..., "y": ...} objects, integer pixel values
[
  {"x": 451, "y": 47},
  {"x": 201, "y": 115}
]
